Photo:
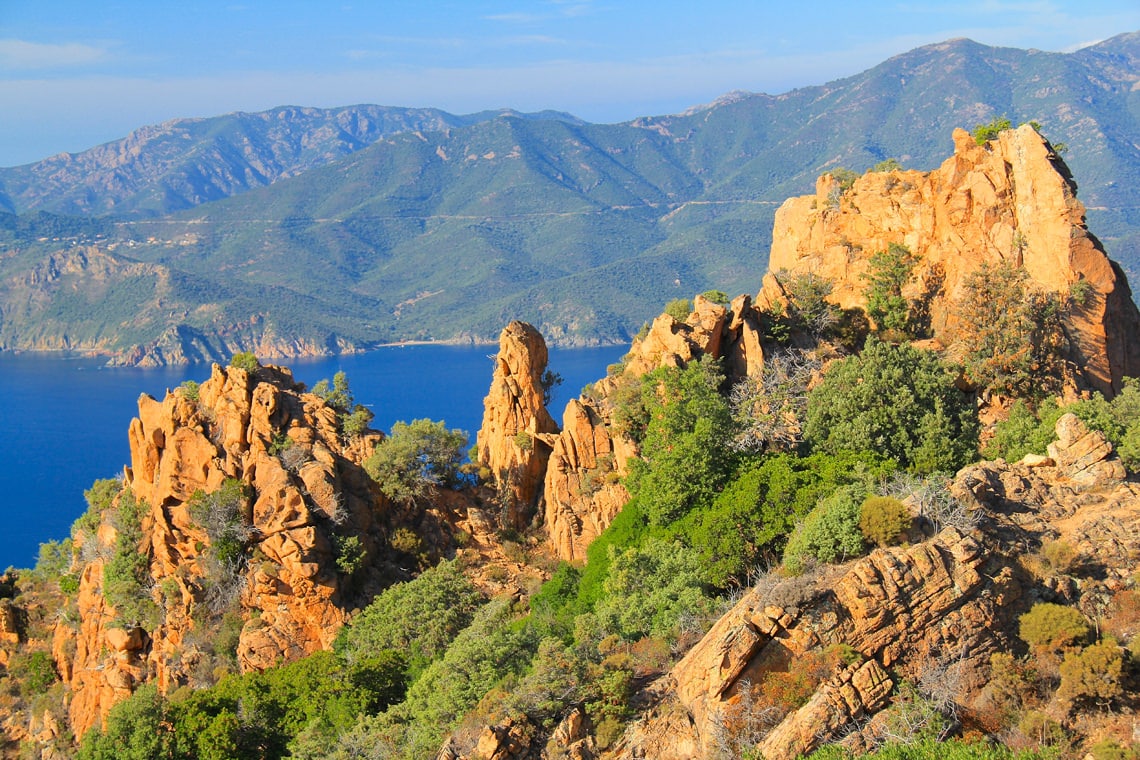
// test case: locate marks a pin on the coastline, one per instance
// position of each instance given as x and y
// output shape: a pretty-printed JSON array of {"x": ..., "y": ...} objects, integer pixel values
[{"x": 109, "y": 357}]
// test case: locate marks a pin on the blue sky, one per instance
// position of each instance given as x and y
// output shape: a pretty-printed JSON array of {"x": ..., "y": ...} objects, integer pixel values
[{"x": 74, "y": 74}]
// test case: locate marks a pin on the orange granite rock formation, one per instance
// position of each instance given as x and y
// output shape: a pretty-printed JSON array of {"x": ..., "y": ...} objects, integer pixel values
[
  {"x": 1009, "y": 201},
  {"x": 518, "y": 432},
  {"x": 298, "y": 503}
]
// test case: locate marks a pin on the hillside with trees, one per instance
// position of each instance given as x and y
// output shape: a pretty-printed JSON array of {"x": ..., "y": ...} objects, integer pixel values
[{"x": 446, "y": 231}]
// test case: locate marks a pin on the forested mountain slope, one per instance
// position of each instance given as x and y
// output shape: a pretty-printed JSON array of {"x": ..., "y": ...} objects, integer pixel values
[{"x": 578, "y": 228}]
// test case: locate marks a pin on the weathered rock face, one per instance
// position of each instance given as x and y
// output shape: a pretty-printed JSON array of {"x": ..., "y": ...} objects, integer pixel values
[
  {"x": 303, "y": 490},
  {"x": 932, "y": 613},
  {"x": 581, "y": 492},
  {"x": 518, "y": 432},
  {"x": 1008, "y": 201}
]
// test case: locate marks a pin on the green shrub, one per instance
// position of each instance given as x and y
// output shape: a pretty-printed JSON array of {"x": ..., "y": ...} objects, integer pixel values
[
  {"x": 54, "y": 559},
  {"x": 845, "y": 177},
  {"x": 1040, "y": 728},
  {"x": 1092, "y": 673},
  {"x": 1106, "y": 749},
  {"x": 1012, "y": 337},
  {"x": 34, "y": 671},
  {"x": 887, "y": 273},
  {"x": 554, "y": 606},
  {"x": 420, "y": 617},
  {"x": 830, "y": 533},
  {"x": 651, "y": 589},
  {"x": 350, "y": 554},
  {"x": 628, "y": 529},
  {"x": 1053, "y": 626},
  {"x": 271, "y": 715},
  {"x": 883, "y": 519},
  {"x": 1027, "y": 433},
  {"x": 188, "y": 390},
  {"x": 679, "y": 309},
  {"x": 718, "y": 297},
  {"x": 808, "y": 307},
  {"x": 99, "y": 497},
  {"x": 749, "y": 521},
  {"x": 898, "y": 401},
  {"x": 492, "y": 648},
  {"x": 983, "y": 133},
  {"x": 245, "y": 360},
  {"x": 406, "y": 541},
  {"x": 222, "y": 515}
]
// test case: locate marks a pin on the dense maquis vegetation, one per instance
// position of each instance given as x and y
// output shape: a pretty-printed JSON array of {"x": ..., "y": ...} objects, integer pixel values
[
  {"x": 738, "y": 481},
  {"x": 721, "y": 497}
]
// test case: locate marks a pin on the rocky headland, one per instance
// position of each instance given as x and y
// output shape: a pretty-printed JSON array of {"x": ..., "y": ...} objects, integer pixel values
[{"x": 250, "y": 526}]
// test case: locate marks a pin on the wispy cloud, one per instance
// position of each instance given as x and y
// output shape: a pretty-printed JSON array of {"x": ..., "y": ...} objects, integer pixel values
[
  {"x": 21, "y": 54},
  {"x": 559, "y": 9},
  {"x": 517, "y": 18}
]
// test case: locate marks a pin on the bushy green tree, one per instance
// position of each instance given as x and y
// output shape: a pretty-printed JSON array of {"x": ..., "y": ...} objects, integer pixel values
[
  {"x": 899, "y": 401},
  {"x": 685, "y": 452},
  {"x": 126, "y": 577},
  {"x": 830, "y": 533},
  {"x": 679, "y": 309},
  {"x": 135, "y": 729},
  {"x": 354, "y": 418},
  {"x": 1011, "y": 336},
  {"x": 888, "y": 272},
  {"x": 651, "y": 589},
  {"x": 420, "y": 617},
  {"x": 417, "y": 457}
]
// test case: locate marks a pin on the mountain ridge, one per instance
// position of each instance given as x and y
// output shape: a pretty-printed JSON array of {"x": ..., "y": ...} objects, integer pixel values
[{"x": 447, "y": 234}]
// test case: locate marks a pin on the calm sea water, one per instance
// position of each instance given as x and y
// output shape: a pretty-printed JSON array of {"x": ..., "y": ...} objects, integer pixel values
[{"x": 63, "y": 422}]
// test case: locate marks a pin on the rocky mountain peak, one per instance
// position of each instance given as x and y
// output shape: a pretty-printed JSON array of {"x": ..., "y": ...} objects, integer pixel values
[{"x": 1010, "y": 202}]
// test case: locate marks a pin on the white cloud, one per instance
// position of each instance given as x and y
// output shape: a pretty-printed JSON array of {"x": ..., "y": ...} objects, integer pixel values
[{"x": 21, "y": 54}]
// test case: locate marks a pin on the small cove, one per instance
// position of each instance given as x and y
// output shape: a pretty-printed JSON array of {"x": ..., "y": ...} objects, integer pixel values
[{"x": 65, "y": 420}]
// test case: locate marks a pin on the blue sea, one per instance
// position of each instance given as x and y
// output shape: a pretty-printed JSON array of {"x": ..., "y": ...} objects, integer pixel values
[{"x": 64, "y": 421}]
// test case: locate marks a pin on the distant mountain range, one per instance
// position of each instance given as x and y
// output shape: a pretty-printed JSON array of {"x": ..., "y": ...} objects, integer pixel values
[{"x": 299, "y": 231}]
